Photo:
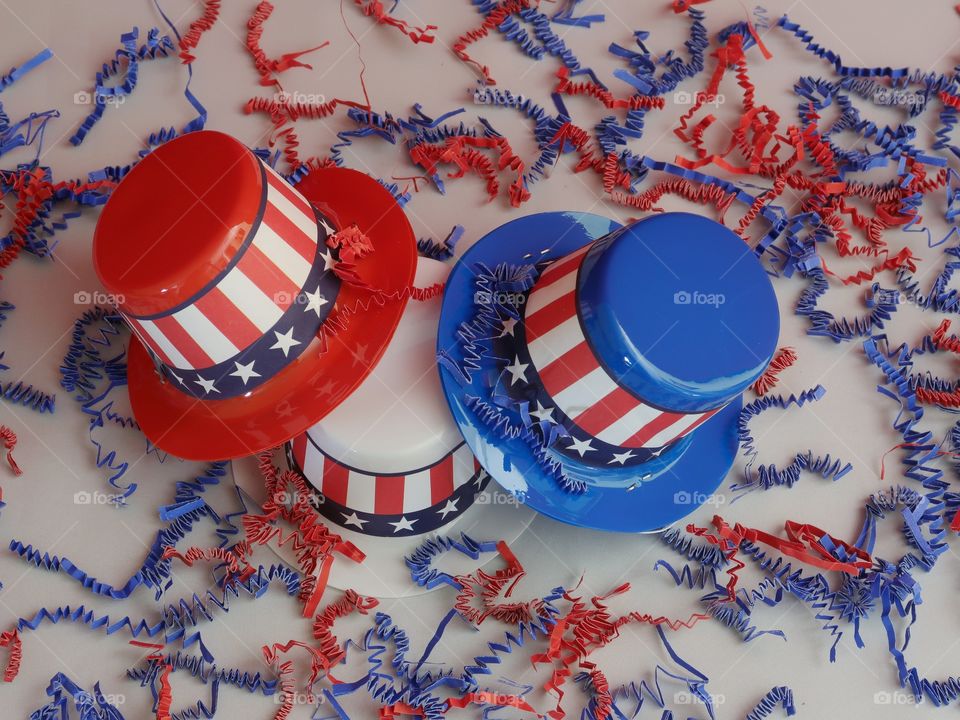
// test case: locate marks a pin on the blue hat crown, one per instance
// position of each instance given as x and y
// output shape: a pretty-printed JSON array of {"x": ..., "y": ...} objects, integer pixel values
[{"x": 679, "y": 310}]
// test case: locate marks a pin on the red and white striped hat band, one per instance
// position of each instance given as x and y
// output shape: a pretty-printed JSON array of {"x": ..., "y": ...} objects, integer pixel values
[
  {"x": 260, "y": 312},
  {"x": 575, "y": 380},
  {"x": 407, "y": 503}
]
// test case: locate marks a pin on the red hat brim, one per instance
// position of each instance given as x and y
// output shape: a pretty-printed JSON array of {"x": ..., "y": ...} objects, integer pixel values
[{"x": 316, "y": 382}]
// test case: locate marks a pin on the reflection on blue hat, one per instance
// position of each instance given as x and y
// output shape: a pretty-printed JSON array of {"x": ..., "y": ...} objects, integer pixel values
[{"x": 596, "y": 370}]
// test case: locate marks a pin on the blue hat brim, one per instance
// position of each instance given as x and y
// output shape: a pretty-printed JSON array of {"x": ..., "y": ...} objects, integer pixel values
[{"x": 653, "y": 504}]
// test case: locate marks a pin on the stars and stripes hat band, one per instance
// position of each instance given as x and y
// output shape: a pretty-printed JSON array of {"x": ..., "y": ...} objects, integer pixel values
[
  {"x": 260, "y": 312},
  {"x": 575, "y": 381},
  {"x": 597, "y": 369},
  {"x": 407, "y": 503},
  {"x": 234, "y": 281}
]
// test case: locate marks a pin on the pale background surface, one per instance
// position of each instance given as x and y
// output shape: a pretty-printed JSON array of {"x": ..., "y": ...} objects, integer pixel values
[{"x": 852, "y": 421}]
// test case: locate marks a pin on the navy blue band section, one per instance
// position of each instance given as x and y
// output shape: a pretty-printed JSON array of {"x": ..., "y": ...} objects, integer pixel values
[
  {"x": 279, "y": 346},
  {"x": 414, "y": 523}
]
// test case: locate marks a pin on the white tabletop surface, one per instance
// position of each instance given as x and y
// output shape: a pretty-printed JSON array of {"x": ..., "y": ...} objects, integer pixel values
[{"x": 852, "y": 421}]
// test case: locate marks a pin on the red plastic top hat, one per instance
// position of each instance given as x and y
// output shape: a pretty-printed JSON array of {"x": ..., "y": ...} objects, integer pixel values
[{"x": 243, "y": 293}]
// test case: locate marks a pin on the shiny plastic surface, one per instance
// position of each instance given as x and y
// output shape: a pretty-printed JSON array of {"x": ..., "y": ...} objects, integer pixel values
[
  {"x": 315, "y": 383},
  {"x": 176, "y": 220},
  {"x": 680, "y": 309},
  {"x": 397, "y": 421},
  {"x": 653, "y": 503}
]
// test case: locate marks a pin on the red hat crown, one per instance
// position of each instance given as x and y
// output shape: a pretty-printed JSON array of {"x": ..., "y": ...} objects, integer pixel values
[{"x": 229, "y": 277}]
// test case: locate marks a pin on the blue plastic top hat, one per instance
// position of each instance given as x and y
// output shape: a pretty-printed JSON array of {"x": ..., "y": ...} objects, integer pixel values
[
  {"x": 678, "y": 310},
  {"x": 596, "y": 371}
]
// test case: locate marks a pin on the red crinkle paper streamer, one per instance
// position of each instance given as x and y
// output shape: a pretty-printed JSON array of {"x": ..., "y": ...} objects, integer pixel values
[
  {"x": 490, "y": 587},
  {"x": 283, "y": 110},
  {"x": 290, "y": 144},
  {"x": 11, "y": 639},
  {"x": 803, "y": 543},
  {"x": 784, "y": 358},
  {"x": 165, "y": 694},
  {"x": 591, "y": 89},
  {"x": 353, "y": 245},
  {"x": 729, "y": 548},
  {"x": 9, "y": 438},
  {"x": 585, "y": 628},
  {"x": 32, "y": 190},
  {"x": 340, "y": 317},
  {"x": 493, "y": 19},
  {"x": 190, "y": 39},
  {"x": 904, "y": 258},
  {"x": 237, "y": 567},
  {"x": 331, "y": 651},
  {"x": 941, "y": 397},
  {"x": 460, "y": 151},
  {"x": 375, "y": 9},
  {"x": 311, "y": 541},
  {"x": 755, "y": 146},
  {"x": 286, "y": 687},
  {"x": 268, "y": 67},
  {"x": 940, "y": 339},
  {"x": 701, "y": 194}
]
